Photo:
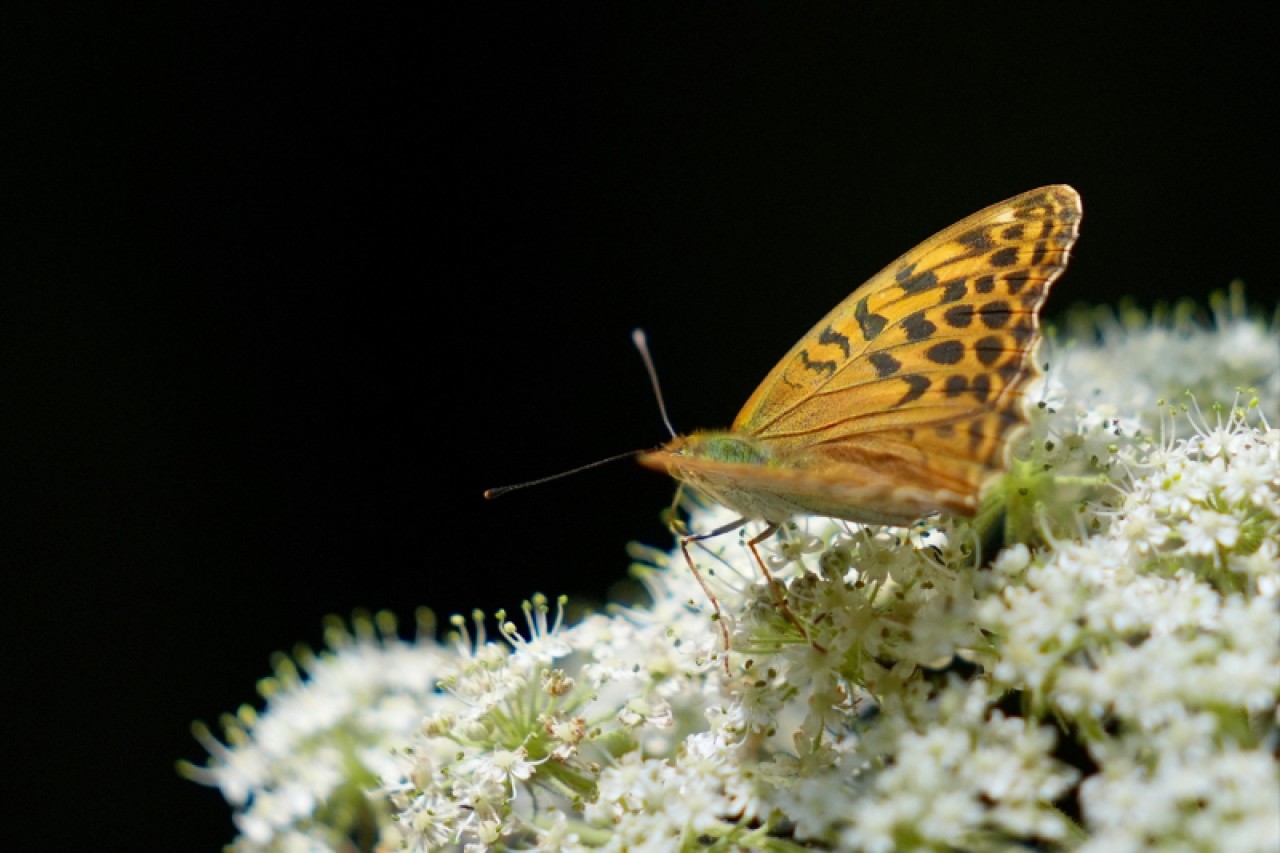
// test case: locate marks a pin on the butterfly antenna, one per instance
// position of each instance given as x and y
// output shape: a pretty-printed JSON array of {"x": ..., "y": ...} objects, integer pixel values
[
  {"x": 502, "y": 490},
  {"x": 642, "y": 343}
]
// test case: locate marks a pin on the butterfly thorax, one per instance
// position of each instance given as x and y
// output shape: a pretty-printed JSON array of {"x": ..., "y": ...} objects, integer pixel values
[{"x": 721, "y": 446}]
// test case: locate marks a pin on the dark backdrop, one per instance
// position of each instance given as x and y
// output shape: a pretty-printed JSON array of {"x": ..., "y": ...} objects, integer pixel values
[{"x": 287, "y": 289}]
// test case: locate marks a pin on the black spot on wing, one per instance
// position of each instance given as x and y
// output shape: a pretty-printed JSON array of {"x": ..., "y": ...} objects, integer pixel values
[
  {"x": 1023, "y": 332},
  {"x": 825, "y": 368},
  {"x": 958, "y": 316},
  {"x": 870, "y": 324},
  {"x": 1010, "y": 415},
  {"x": 1028, "y": 209},
  {"x": 976, "y": 435},
  {"x": 989, "y": 349},
  {"x": 985, "y": 284},
  {"x": 1013, "y": 232},
  {"x": 1016, "y": 281},
  {"x": 977, "y": 240},
  {"x": 947, "y": 352},
  {"x": 918, "y": 328},
  {"x": 956, "y": 385},
  {"x": 981, "y": 387},
  {"x": 953, "y": 291},
  {"x": 1033, "y": 296},
  {"x": 831, "y": 336},
  {"x": 904, "y": 273},
  {"x": 926, "y": 280},
  {"x": 1037, "y": 256},
  {"x": 1005, "y": 257},
  {"x": 1010, "y": 370},
  {"x": 994, "y": 315},
  {"x": 917, "y": 385},
  {"x": 885, "y": 364}
]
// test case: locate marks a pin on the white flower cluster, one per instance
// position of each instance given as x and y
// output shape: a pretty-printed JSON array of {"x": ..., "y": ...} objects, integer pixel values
[
  {"x": 952, "y": 772},
  {"x": 1109, "y": 679},
  {"x": 1158, "y": 641},
  {"x": 609, "y": 717},
  {"x": 1121, "y": 359},
  {"x": 299, "y": 773},
  {"x": 1209, "y": 504}
]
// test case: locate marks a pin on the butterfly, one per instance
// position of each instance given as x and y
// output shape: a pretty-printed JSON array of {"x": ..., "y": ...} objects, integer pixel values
[{"x": 906, "y": 398}]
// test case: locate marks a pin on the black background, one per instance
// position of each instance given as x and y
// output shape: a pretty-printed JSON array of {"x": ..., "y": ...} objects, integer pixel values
[{"x": 286, "y": 290}]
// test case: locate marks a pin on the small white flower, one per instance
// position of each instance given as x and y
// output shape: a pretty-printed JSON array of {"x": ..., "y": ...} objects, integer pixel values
[
  {"x": 545, "y": 642},
  {"x": 1142, "y": 525},
  {"x": 502, "y": 766},
  {"x": 1207, "y": 530},
  {"x": 639, "y": 711},
  {"x": 1013, "y": 560}
]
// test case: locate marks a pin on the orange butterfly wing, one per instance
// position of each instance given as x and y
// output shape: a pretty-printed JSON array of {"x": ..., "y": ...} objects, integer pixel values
[{"x": 904, "y": 399}]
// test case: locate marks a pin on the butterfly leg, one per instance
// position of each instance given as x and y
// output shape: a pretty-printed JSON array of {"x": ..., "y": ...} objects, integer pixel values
[
  {"x": 778, "y": 594},
  {"x": 685, "y": 541},
  {"x": 774, "y": 585}
]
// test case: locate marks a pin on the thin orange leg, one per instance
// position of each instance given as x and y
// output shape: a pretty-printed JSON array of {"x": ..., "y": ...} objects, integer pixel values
[
  {"x": 777, "y": 587},
  {"x": 778, "y": 594},
  {"x": 697, "y": 575}
]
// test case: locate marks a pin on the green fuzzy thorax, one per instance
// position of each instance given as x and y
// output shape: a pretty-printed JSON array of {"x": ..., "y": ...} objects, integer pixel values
[{"x": 727, "y": 447}]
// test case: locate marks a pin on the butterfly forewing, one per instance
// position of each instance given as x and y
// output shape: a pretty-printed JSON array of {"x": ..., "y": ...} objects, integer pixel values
[
  {"x": 944, "y": 331},
  {"x": 904, "y": 399}
]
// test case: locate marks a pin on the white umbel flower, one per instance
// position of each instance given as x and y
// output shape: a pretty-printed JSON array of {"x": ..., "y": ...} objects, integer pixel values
[{"x": 1105, "y": 676}]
